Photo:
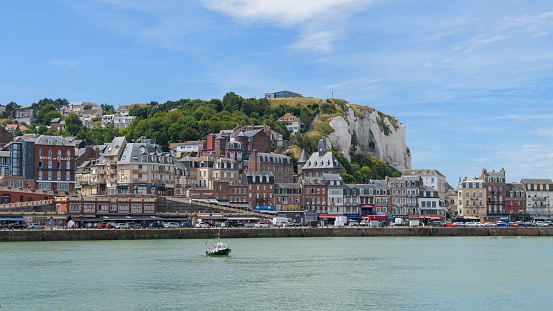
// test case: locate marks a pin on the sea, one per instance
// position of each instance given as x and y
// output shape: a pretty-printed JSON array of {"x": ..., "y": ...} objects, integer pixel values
[{"x": 362, "y": 273}]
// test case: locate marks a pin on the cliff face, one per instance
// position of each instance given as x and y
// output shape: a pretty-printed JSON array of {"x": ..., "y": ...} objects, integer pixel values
[{"x": 366, "y": 132}]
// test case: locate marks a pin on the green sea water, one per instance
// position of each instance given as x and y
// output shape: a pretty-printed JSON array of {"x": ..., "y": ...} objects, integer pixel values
[{"x": 396, "y": 273}]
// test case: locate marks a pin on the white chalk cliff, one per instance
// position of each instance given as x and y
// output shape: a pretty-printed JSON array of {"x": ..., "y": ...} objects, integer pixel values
[{"x": 371, "y": 137}]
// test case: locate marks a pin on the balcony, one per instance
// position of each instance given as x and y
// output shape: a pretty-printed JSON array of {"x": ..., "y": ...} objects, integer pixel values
[
  {"x": 474, "y": 198},
  {"x": 539, "y": 199}
]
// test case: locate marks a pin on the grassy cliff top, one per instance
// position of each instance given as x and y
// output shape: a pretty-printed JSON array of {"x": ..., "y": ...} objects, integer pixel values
[{"x": 294, "y": 101}]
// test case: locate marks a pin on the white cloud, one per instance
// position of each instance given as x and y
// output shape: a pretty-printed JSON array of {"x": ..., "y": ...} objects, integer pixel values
[
  {"x": 284, "y": 12},
  {"x": 320, "y": 23}
]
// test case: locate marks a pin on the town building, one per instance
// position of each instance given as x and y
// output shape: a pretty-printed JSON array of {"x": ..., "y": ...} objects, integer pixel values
[
  {"x": 24, "y": 114},
  {"x": 107, "y": 120},
  {"x": 5, "y": 137},
  {"x": 404, "y": 194},
  {"x": 335, "y": 194},
  {"x": 100, "y": 206},
  {"x": 472, "y": 198},
  {"x": 320, "y": 163},
  {"x": 5, "y": 164},
  {"x": 57, "y": 124},
  {"x": 430, "y": 177},
  {"x": 260, "y": 190},
  {"x": 282, "y": 94},
  {"x": 87, "y": 122},
  {"x": 123, "y": 110},
  {"x": 351, "y": 200},
  {"x": 429, "y": 201},
  {"x": 288, "y": 197},
  {"x": 374, "y": 197},
  {"x": 315, "y": 196},
  {"x": 515, "y": 199},
  {"x": 121, "y": 122},
  {"x": 538, "y": 196},
  {"x": 141, "y": 168},
  {"x": 495, "y": 191},
  {"x": 292, "y": 122},
  {"x": 226, "y": 170},
  {"x": 43, "y": 163},
  {"x": 280, "y": 165},
  {"x": 82, "y": 109},
  {"x": 14, "y": 128},
  {"x": 187, "y": 147}
]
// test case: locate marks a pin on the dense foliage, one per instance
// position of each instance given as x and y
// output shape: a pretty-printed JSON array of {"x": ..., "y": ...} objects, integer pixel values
[{"x": 364, "y": 168}]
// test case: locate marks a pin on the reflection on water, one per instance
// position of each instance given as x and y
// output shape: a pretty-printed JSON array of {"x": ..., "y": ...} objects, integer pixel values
[{"x": 286, "y": 274}]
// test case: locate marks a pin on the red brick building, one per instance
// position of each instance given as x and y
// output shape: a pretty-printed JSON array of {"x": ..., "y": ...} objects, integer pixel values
[
  {"x": 260, "y": 189},
  {"x": 515, "y": 199},
  {"x": 44, "y": 163},
  {"x": 103, "y": 205},
  {"x": 280, "y": 165},
  {"x": 315, "y": 197}
]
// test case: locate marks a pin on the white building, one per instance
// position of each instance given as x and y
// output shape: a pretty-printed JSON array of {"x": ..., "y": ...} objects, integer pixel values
[
  {"x": 538, "y": 196},
  {"x": 177, "y": 149},
  {"x": 24, "y": 114},
  {"x": 121, "y": 122},
  {"x": 107, "y": 120},
  {"x": 335, "y": 190},
  {"x": 430, "y": 177}
]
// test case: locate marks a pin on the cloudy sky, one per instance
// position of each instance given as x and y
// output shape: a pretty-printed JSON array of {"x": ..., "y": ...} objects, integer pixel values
[{"x": 470, "y": 79}]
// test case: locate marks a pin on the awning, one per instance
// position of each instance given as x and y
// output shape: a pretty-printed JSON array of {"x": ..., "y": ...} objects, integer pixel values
[
  {"x": 242, "y": 205},
  {"x": 13, "y": 218},
  {"x": 353, "y": 216},
  {"x": 425, "y": 216},
  {"x": 367, "y": 206},
  {"x": 327, "y": 216}
]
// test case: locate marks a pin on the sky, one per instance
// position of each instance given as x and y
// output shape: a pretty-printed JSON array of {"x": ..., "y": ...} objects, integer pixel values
[{"x": 472, "y": 80}]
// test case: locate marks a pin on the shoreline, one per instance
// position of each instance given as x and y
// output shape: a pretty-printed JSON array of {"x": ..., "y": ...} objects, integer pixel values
[{"x": 200, "y": 233}]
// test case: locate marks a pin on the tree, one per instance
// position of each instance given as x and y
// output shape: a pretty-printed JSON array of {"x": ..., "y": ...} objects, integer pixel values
[
  {"x": 107, "y": 109},
  {"x": 9, "y": 108},
  {"x": 42, "y": 129},
  {"x": 46, "y": 114},
  {"x": 73, "y": 124}
]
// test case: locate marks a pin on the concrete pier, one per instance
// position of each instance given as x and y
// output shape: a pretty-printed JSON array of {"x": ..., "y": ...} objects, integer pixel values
[{"x": 196, "y": 233}]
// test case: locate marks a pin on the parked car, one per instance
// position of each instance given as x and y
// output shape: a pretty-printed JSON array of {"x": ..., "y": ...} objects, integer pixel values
[
  {"x": 449, "y": 224},
  {"x": 353, "y": 223},
  {"x": 134, "y": 225},
  {"x": 187, "y": 225},
  {"x": 36, "y": 226},
  {"x": 501, "y": 224},
  {"x": 437, "y": 223},
  {"x": 105, "y": 225},
  {"x": 248, "y": 224},
  {"x": 16, "y": 226},
  {"x": 233, "y": 224},
  {"x": 262, "y": 225},
  {"x": 122, "y": 226},
  {"x": 202, "y": 225},
  {"x": 541, "y": 224},
  {"x": 171, "y": 225},
  {"x": 155, "y": 225},
  {"x": 489, "y": 224}
]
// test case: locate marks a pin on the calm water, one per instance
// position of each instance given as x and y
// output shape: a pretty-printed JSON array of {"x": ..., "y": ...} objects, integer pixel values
[{"x": 284, "y": 274}]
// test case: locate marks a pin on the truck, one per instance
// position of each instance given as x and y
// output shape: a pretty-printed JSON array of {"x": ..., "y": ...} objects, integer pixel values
[
  {"x": 341, "y": 221},
  {"x": 281, "y": 222},
  {"x": 399, "y": 222},
  {"x": 414, "y": 222}
]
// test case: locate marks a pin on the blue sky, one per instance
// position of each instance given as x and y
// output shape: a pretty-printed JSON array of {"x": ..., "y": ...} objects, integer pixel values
[{"x": 471, "y": 79}]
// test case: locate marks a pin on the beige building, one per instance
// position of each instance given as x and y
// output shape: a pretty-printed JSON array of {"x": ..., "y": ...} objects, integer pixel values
[
  {"x": 472, "y": 198},
  {"x": 141, "y": 168},
  {"x": 292, "y": 122}
]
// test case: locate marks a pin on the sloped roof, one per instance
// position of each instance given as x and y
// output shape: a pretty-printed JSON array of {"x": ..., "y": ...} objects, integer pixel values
[
  {"x": 327, "y": 161},
  {"x": 422, "y": 172},
  {"x": 303, "y": 157}
]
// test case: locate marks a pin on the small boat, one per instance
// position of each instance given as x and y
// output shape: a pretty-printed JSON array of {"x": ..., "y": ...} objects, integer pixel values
[{"x": 218, "y": 249}]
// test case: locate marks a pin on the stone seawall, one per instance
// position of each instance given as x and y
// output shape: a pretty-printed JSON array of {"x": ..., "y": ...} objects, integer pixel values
[{"x": 143, "y": 234}]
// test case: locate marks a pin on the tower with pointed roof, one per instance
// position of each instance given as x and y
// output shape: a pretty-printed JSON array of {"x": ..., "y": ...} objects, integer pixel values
[{"x": 302, "y": 160}]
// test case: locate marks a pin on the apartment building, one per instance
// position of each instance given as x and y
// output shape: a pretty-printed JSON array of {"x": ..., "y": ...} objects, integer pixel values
[
  {"x": 142, "y": 168},
  {"x": 538, "y": 196},
  {"x": 472, "y": 198}
]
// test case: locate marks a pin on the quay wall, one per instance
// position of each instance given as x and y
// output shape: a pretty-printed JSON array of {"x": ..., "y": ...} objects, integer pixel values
[{"x": 142, "y": 234}]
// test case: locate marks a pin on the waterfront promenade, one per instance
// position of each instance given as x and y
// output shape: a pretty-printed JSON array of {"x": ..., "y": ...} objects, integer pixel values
[{"x": 197, "y": 233}]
